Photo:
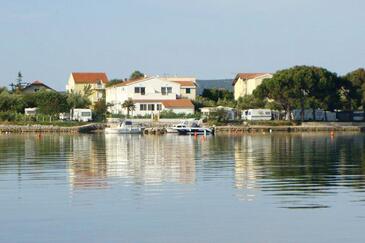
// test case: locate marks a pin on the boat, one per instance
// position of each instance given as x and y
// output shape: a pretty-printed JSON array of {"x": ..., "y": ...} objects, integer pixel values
[
  {"x": 125, "y": 127},
  {"x": 173, "y": 128},
  {"x": 195, "y": 130},
  {"x": 182, "y": 124}
]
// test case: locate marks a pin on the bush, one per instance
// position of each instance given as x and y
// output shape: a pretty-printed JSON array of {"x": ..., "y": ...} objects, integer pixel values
[
  {"x": 171, "y": 114},
  {"x": 7, "y": 116}
]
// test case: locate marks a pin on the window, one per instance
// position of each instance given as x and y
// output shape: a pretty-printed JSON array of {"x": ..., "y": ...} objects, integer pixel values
[
  {"x": 158, "y": 107},
  {"x": 166, "y": 90},
  {"x": 85, "y": 114},
  {"x": 142, "y": 107},
  {"x": 140, "y": 90},
  {"x": 188, "y": 91},
  {"x": 151, "y": 107}
]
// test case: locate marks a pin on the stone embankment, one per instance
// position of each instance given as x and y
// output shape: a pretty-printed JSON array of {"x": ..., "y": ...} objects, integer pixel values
[
  {"x": 253, "y": 129},
  {"x": 49, "y": 128}
]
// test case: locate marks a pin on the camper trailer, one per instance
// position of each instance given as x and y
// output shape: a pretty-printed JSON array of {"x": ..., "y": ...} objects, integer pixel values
[
  {"x": 257, "y": 115},
  {"x": 30, "y": 111},
  {"x": 81, "y": 115}
]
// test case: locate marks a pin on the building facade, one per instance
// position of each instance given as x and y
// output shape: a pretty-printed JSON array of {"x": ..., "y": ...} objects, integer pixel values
[
  {"x": 96, "y": 82},
  {"x": 150, "y": 96},
  {"x": 246, "y": 83}
]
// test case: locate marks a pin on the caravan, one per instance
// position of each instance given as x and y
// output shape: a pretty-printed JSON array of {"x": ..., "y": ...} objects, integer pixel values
[
  {"x": 257, "y": 115},
  {"x": 81, "y": 115}
]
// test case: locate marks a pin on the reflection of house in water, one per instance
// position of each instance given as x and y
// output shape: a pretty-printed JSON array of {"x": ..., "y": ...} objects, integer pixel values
[
  {"x": 150, "y": 159},
  {"x": 248, "y": 151},
  {"x": 87, "y": 166}
]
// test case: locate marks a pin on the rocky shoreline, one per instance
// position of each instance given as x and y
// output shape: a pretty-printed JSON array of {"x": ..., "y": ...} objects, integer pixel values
[{"x": 49, "y": 128}]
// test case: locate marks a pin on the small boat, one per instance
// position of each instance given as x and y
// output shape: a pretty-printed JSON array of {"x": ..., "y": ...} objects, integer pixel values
[
  {"x": 182, "y": 124},
  {"x": 173, "y": 128},
  {"x": 195, "y": 130},
  {"x": 125, "y": 127}
]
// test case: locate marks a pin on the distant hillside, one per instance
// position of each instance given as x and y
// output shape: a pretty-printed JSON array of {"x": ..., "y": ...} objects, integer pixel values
[{"x": 214, "y": 83}]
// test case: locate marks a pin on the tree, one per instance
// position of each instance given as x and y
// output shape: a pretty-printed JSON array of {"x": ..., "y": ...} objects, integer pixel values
[
  {"x": 200, "y": 102},
  {"x": 250, "y": 102},
  {"x": 100, "y": 109},
  {"x": 77, "y": 100},
  {"x": 216, "y": 94},
  {"x": 302, "y": 86},
  {"x": 11, "y": 102},
  {"x": 357, "y": 89},
  {"x": 136, "y": 75},
  {"x": 129, "y": 105},
  {"x": 51, "y": 102},
  {"x": 3, "y": 89},
  {"x": 19, "y": 84}
]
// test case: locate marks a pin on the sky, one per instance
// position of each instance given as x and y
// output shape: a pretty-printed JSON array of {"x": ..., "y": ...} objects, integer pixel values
[{"x": 209, "y": 39}]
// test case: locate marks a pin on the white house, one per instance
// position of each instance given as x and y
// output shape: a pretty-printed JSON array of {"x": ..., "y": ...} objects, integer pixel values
[{"x": 150, "y": 95}]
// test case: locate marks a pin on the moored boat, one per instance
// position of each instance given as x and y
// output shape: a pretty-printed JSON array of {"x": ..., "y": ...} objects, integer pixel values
[
  {"x": 195, "y": 130},
  {"x": 126, "y": 127}
]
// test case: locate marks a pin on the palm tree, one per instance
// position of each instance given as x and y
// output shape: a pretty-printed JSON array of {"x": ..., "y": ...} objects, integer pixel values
[{"x": 129, "y": 105}]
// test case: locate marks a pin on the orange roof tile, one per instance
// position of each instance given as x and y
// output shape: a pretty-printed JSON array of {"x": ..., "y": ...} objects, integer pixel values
[
  {"x": 179, "y": 103},
  {"x": 246, "y": 76},
  {"x": 186, "y": 83},
  {"x": 89, "y": 78}
]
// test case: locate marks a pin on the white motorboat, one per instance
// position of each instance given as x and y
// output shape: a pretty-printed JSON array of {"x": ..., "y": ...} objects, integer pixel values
[
  {"x": 195, "y": 129},
  {"x": 183, "y": 124},
  {"x": 126, "y": 127},
  {"x": 173, "y": 129}
]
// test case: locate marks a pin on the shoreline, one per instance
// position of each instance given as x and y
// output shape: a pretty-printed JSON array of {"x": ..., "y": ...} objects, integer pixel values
[
  {"x": 226, "y": 129},
  {"x": 49, "y": 128}
]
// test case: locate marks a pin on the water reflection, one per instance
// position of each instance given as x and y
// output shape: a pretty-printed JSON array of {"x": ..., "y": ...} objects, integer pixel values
[
  {"x": 150, "y": 160},
  {"x": 295, "y": 170}
]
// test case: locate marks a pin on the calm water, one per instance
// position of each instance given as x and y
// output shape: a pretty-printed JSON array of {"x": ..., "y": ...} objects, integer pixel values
[{"x": 115, "y": 188}]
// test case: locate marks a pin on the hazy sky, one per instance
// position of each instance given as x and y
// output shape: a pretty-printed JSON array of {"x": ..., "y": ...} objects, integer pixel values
[{"x": 47, "y": 40}]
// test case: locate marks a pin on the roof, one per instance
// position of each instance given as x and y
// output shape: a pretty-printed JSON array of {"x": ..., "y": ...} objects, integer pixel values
[
  {"x": 38, "y": 83},
  {"x": 128, "y": 82},
  {"x": 246, "y": 76},
  {"x": 178, "y": 103},
  {"x": 186, "y": 83},
  {"x": 89, "y": 78}
]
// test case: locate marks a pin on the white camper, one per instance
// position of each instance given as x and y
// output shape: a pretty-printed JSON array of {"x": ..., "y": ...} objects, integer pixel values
[
  {"x": 30, "y": 111},
  {"x": 257, "y": 115},
  {"x": 81, "y": 115}
]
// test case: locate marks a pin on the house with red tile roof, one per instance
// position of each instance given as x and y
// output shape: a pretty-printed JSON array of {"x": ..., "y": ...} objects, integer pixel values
[
  {"x": 95, "y": 81},
  {"x": 246, "y": 83},
  {"x": 36, "y": 86},
  {"x": 151, "y": 95}
]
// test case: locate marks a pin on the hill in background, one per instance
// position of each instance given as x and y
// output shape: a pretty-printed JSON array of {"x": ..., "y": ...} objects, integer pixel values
[{"x": 214, "y": 84}]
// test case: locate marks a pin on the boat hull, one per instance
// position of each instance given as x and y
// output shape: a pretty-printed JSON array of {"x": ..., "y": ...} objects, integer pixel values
[
  {"x": 195, "y": 131},
  {"x": 124, "y": 131}
]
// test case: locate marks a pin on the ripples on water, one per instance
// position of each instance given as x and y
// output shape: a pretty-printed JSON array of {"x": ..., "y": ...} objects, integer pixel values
[{"x": 221, "y": 178}]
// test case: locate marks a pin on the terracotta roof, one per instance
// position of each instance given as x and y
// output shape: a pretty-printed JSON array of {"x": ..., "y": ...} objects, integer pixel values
[
  {"x": 246, "y": 76},
  {"x": 186, "y": 83},
  {"x": 89, "y": 78},
  {"x": 37, "y": 82},
  {"x": 179, "y": 103}
]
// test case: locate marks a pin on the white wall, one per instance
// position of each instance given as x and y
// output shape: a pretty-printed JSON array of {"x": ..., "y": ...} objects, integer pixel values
[{"x": 116, "y": 95}]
